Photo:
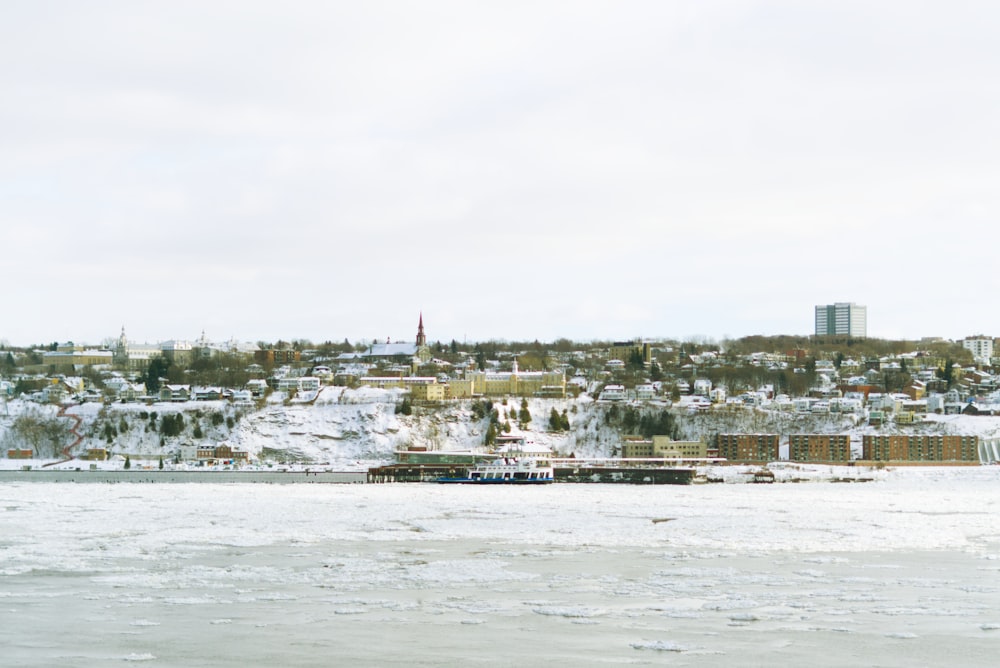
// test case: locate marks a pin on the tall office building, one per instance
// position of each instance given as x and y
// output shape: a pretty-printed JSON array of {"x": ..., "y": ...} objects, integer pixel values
[{"x": 842, "y": 319}]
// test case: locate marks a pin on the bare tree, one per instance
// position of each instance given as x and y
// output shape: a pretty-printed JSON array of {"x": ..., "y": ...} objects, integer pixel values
[{"x": 45, "y": 435}]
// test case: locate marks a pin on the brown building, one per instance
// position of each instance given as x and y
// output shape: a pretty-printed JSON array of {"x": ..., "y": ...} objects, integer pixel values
[
  {"x": 819, "y": 447},
  {"x": 276, "y": 356},
  {"x": 20, "y": 453},
  {"x": 921, "y": 448},
  {"x": 626, "y": 351},
  {"x": 748, "y": 447}
]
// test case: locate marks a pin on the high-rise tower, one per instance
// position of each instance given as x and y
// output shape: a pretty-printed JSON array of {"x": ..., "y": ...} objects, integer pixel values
[{"x": 842, "y": 319}]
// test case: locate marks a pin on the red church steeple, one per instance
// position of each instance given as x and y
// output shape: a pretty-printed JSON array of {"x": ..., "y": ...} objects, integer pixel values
[{"x": 421, "y": 337}]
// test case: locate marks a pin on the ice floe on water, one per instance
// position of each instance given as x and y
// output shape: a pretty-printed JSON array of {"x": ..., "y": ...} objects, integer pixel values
[
  {"x": 660, "y": 646},
  {"x": 220, "y": 575}
]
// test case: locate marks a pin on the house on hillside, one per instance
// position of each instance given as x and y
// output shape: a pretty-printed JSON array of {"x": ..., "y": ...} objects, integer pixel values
[
  {"x": 175, "y": 393},
  {"x": 702, "y": 386},
  {"x": 645, "y": 392},
  {"x": 613, "y": 393},
  {"x": 257, "y": 387}
]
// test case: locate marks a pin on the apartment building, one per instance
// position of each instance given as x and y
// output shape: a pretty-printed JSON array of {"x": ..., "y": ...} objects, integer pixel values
[
  {"x": 819, "y": 447},
  {"x": 921, "y": 448},
  {"x": 748, "y": 447},
  {"x": 842, "y": 319}
]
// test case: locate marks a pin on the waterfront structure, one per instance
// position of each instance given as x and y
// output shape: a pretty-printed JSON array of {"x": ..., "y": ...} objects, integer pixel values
[
  {"x": 663, "y": 447},
  {"x": 920, "y": 448},
  {"x": 819, "y": 447},
  {"x": 748, "y": 447},
  {"x": 842, "y": 319}
]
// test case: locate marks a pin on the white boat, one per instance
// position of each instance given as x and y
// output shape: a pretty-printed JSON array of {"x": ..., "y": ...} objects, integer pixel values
[{"x": 508, "y": 471}]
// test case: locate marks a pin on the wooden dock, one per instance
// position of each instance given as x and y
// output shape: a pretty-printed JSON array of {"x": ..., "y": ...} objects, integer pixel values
[{"x": 416, "y": 472}]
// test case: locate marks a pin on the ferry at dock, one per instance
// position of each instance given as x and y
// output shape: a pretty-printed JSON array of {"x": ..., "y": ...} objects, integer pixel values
[{"x": 521, "y": 470}]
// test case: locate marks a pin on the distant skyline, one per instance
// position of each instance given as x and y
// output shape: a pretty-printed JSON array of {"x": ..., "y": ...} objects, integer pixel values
[{"x": 516, "y": 171}]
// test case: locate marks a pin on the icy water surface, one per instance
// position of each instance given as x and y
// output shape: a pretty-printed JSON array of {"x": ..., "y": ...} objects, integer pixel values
[{"x": 896, "y": 573}]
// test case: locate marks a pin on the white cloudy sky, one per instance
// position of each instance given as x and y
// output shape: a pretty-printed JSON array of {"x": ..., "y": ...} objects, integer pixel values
[{"x": 514, "y": 170}]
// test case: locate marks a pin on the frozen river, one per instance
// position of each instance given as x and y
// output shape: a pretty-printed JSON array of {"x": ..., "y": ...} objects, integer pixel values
[{"x": 899, "y": 572}]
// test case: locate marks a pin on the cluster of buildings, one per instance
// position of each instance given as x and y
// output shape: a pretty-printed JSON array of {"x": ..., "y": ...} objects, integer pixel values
[
  {"x": 382, "y": 365},
  {"x": 836, "y": 448}
]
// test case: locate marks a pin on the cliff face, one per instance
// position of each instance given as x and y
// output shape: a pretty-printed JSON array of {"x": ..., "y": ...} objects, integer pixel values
[
  {"x": 337, "y": 426},
  {"x": 364, "y": 425},
  {"x": 348, "y": 428}
]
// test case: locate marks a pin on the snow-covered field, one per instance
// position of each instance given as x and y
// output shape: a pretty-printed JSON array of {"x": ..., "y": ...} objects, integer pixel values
[{"x": 901, "y": 571}]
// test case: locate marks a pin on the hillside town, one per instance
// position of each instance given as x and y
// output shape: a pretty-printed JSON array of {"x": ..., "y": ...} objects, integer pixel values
[{"x": 832, "y": 398}]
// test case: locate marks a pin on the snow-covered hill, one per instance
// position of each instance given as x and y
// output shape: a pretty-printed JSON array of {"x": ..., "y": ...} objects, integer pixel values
[{"x": 345, "y": 427}]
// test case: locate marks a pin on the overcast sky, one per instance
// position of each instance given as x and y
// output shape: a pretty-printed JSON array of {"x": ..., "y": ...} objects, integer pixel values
[{"x": 514, "y": 170}]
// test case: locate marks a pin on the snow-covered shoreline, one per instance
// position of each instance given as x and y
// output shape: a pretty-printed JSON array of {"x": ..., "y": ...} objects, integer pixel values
[{"x": 348, "y": 429}]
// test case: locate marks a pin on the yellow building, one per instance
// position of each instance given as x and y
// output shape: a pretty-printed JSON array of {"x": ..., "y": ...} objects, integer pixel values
[
  {"x": 429, "y": 392},
  {"x": 663, "y": 447},
  {"x": 461, "y": 389},
  {"x": 517, "y": 383},
  {"x": 78, "y": 358}
]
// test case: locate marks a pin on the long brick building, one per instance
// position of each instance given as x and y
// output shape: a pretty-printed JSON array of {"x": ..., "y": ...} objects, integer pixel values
[
  {"x": 819, "y": 447},
  {"x": 921, "y": 448},
  {"x": 748, "y": 447}
]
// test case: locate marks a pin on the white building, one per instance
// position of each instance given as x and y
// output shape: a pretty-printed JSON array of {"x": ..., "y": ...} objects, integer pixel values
[
  {"x": 613, "y": 393},
  {"x": 645, "y": 392},
  {"x": 842, "y": 319},
  {"x": 702, "y": 386},
  {"x": 981, "y": 348}
]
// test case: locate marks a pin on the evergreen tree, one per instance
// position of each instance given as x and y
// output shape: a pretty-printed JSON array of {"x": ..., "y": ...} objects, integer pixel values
[
  {"x": 524, "y": 417},
  {"x": 158, "y": 367},
  {"x": 555, "y": 421},
  {"x": 128, "y": 463},
  {"x": 161, "y": 462},
  {"x": 491, "y": 435}
]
